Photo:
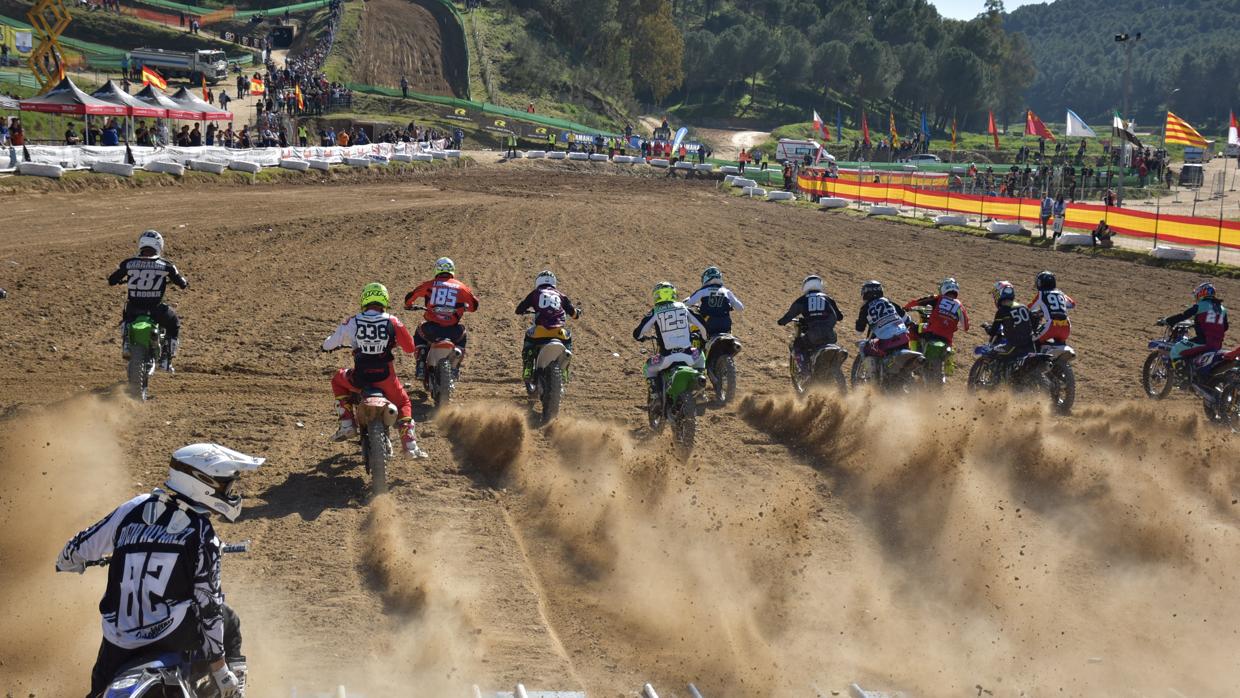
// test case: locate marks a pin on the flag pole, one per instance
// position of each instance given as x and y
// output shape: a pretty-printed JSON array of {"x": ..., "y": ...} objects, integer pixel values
[{"x": 1218, "y": 247}]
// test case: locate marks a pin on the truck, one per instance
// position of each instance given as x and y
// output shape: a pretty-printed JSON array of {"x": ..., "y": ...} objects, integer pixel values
[{"x": 194, "y": 65}]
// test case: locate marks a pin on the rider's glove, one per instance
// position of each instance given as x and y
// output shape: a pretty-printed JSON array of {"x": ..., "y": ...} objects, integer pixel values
[
  {"x": 1161, "y": 321},
  {"x": 226, "y": 682},
  {"x": 69, "y": 566}
]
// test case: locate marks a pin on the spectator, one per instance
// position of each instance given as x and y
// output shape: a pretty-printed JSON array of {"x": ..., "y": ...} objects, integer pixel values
[
  {"x": 303, "y": 136},
  {"x": 530, "y": 109},
  {"x": 1048, "y": 210},
  {"x": 4, "y": 54},
  {"x": 458, "y": 138},
  {"x": 211, "y": 129},
  {"x": 17, "y": 135},
  {"x": 404, "y": 87},
  {"x": 1061, "y": 212},
  {"x": 111, "y": 133},
  {"x": 224, "y": 99},
  {"x": 162, "y": 136},
  {"x": 93, "y": 134},
  {"x": 342, "y": 138},
  {"x": 511, "y": 141},
  {"x": 361, "y": 138},
  {"x": 182, "y": 140},
  {"x": 142, "y": 136},
  {"x": 1103, "y": 234},
  {"x": 195, "y": 137},
  {"x": 71, "y": 135}
]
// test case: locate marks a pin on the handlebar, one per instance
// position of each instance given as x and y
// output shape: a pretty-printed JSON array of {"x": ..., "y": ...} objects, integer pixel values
[{"x": 242, "y": 547}]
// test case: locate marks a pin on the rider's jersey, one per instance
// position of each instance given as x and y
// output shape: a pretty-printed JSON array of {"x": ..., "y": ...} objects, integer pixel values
[
  {"x": 1014, "y": 325},
  {"x": 715, "y": 305},
  {"x": 551, "y": 307},
  {"x": 673, "y": 324},
  {"x": 884, "y": 319},
  {"x": 946, "y": 316},
  {"x": 147, "y": 278},
  {"x": 818, "y": 314},
  {"x": 1051, "y": 307},
  {"x": 1209, "y": 319},
  {"x": 372, "y": 335},
  {"x": 446, "y": 300},
  {"x": 165, "y": 571}
]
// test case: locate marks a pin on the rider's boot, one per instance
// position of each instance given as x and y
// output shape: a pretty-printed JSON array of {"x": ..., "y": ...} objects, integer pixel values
[
  {"x": 166, "y": 362},
  {"x": 348, "y": 428},
  {"x": 125, "y": 341},
  {"x": 419, "y": 370},
  {"x": 409, "y": 440},
  {"x": 527, "y": 364}
]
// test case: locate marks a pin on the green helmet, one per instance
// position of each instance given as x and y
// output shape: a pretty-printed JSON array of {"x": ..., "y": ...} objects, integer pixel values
[
  {"x": 375, "y": 293},
  {"x": 664, "y": 292}
]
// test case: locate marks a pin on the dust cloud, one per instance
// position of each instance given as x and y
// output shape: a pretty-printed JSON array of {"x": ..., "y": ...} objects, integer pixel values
[
  {"x": 488, "y": 439},
  {"x": 61, "y": 469}
]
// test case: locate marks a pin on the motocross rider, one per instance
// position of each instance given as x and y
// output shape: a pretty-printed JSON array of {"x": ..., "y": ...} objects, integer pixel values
[
  {"x": 715, "y": 303},
  {"x": 816, "y": 313},
  {"x": 1209, "y": 321},
  {"x": 1013, "y": 325},
  {"x": 884, "y": 320},
  {"x": 673, "y": 324},
  {"x": 551, "y": 308},
  {"x": 946, "y": 316},
  {"x": 164, "y": 592},
  {"x": 447, "y": 300},
  {"x": 1050, "y": 306},
  {"x": 147, "y": 277},
  {"x": 372, "y": 335}
]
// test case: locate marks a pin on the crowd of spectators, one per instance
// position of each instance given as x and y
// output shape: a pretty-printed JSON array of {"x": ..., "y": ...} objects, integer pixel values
[{"x": 304, "y": 71}]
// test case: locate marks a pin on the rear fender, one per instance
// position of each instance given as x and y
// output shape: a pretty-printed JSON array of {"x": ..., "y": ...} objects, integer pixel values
[
  {"x": 983, "y": 350},
  {"x": 722, "y": 345},
  {"x": 142, "y": 331},
  {"x": 682, "y": 379},
  {"x": 905, "y": 360},
  {"x": 829, "y": 357},
  {"x": 1061, "y": 353},
  {"x": 442, "y": 350},
  {"x": 937, "y": 350},
  {"x": 374, "y": 407},
  {"x": 549, "y": 353}
]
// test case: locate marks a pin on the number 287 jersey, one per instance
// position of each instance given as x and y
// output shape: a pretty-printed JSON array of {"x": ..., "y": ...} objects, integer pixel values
[{"x": 146, "y": 279}]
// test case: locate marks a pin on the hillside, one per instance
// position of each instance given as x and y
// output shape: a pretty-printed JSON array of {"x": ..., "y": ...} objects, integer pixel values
[
  {"x": 417, "y": 39},
  {"x": 1185, "y": 44}
]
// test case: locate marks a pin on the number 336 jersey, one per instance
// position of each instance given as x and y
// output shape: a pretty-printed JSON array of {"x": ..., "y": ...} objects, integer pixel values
[
  {"x": 147, "y": 278},
  {"x": 165, "y": 571}
]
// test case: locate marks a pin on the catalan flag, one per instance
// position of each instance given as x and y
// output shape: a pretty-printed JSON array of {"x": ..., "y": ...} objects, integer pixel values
[
  {"x": 953, "y": 134},
  {"x": 150, "y": 76},
  {"x": 895, "y": 135},
  {"x": 1179, "y": 131}
]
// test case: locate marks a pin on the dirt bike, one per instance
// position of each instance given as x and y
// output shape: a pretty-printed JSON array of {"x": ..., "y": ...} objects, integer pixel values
[
  {"x": 146, "y": 342},
  {"x": 547, "y": 381},
  {"x": 171, "y": 674},
  {"x": 1219, "y": 388},
  {"x": 940, "y": 357},
  {"x": 680, "y": 379},
  {"x": 898, "y": 371},
  {"x": 375, "y": 416},
  {"x": 442, "y": 367},
  {"x": 824, "y": 366},
  {"x": 721, "y": 351},
  {"x": 1049, "y": 370}
]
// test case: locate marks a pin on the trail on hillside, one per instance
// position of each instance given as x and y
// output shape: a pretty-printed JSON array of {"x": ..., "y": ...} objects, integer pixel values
[{"x": 403, "y": 38}]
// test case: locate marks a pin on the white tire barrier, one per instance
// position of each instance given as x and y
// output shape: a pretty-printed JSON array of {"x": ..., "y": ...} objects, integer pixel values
[
  {"x": 297, "y": 165},
  {"x": 742, "y": 182},
  {"x": 1002, "y": 228},
  {"x": 598, "y": 157},
  {"x": 422, "y": 157},
  {"x": 951, "y": 219},
  {"x": 452, "y": 154},
  {"x": 1074, "y": 239},
  {"x": 730, "y": 169},
  {"x": 704, "y": 167},
  {"x": 536, "y": 154},
  {"x": 175, "y": 169},
  {"x": 119, "y": 169},
  {"x": 379, "y": 159},
  {"x": 439, "y": 155},
  {"x": 780, "y": 196},
  {"x": 39, "y": 169},
  {"x": 832, "y": 202},
  {"x": 682, "y": 165},
  {"x": 578, "y": 156},
  {"x": 754, "y": 191},
  {"x": 1182, "y": 254},
  {"x": 357, "y": 162},
  {"x": 659, "y": 162},
  {"x": 243, "y": 166},
  {"x": 556, "y": 155},
  {"x": 206, "y": 166},
  {"x": 728, "y": 179},
  {"x": 625, "y": 159},
  {"x": 319, "y": 164},
  {"x": 883, "y": 210},
  {"x": 398, "y": 157}
]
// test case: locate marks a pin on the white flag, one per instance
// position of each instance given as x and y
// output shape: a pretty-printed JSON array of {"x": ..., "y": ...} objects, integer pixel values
[{"x": 1078, "y": 127}]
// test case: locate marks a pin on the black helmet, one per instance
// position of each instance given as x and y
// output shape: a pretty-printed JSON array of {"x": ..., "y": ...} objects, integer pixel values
[
  {"x": 1045, "y": 281},
  {"x": 871, "y": 289}
]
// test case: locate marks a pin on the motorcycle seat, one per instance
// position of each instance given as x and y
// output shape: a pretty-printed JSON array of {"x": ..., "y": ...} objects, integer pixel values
[{"x": 540, "y": 332}]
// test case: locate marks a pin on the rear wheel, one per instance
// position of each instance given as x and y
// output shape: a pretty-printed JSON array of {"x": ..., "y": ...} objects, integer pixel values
[
  {"x": 934, "y": 375},
  {"x": 1229, "y": 405},
  {"x": 982, "y": 375},
  {"x": 138, "y": 375},
  {"x": 443, "y": 383},
  {"x": 552, "y": 391},
  {"x": 1156, "y": 375},
  {"x": 1062, "y": 387},
  {"x": 723, "y": 374},
  {"x": 862, "y": 371},
  {"x": 378, "y": 449},
  {"x": 794, "y": 373},
  {"x": 684, "y": 426}
]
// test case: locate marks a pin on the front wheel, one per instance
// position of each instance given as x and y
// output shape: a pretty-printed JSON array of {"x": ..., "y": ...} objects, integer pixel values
[
  {"x": 982, "y": 375},
  {"x": 684, "y": 426},
  {"x": 1229, "y": 405},
  {"x": 443, "y": 383},
  {"x": 378, "y": 450},
  {"x": 552, "y": 391},
  {"x": 723, "y": 374},
  {"x": 1156, "y": 375},
  {"x": 1062, "y": 388},
  {"x": 138, "y": 376}
]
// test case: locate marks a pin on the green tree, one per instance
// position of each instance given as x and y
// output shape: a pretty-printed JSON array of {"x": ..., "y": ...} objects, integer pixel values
[
  {"x": 658, "y": 52},
  {"x": 876, "y": 68},
  {"x": 1015, "y": 73},
  {"x": 831, "y": 68}
]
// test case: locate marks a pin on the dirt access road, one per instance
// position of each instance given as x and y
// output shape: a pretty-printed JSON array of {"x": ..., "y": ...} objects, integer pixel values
[{"x": 930, "y": 545}]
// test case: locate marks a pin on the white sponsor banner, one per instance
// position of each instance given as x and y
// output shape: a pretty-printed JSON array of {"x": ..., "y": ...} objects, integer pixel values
[{"x": 75, "y": 156}]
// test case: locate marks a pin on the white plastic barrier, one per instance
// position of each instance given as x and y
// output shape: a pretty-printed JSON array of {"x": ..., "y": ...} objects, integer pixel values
[
  {"x": 832, "y": 202},
  {"x": 1002, "y": 228},
  {"x": 598, "y": 157},
  {"x": 1183, "y": 254},
  {"x": 883, "y": 210},
  {"x": 439, "y": 155},
  {"x": 625, "y": 159},
  {"x": 399, "y": 157},
  {"x": 659, "y": 162},
  {"x": 536, "y": 154},
  {"x": 1074, "y": 239},
  {"x": 243, "y": 166},
  {"x": 115, "y": 168},
  {"x": 357, "y": 162},
  {"x": 754, "y": 191},
  {"x": 728, "y": 179},
  {"x": 319, "y": 164},
  {"x": 175, "y": 169},
  {"x": 578, "y": 156},
  {"x": 704, "y": 167},
  {"x": 951, "y": 219},
  {"x": 682, "y": 165},
  {"x": 298, "y": 165},
  {"x": 206, "y": 166},
  {"x": 40, "y": 169},
  {"x": 780, "y": 196},
  {"x": 422, "y": 157},
  {"x": 452, "y": 154},
  {"x": 730, "y": 169},
  {"x": 556, "y": 155},
  {"x": 742, "y": 182}
]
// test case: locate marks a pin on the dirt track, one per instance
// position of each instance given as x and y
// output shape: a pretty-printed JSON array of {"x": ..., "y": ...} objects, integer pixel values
[
  {"x": 404, "y": 38},
  {"x": 930, "y": 546}
]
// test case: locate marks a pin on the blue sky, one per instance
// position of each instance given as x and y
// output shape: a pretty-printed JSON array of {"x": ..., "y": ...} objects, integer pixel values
[{"x": 968, "y": 9}]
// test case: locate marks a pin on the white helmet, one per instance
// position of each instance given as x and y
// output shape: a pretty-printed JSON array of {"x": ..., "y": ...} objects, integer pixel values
[
  {"x": 812, "y": 284},
  {"x": 545, "y": 278},
  {"x": 205, "y": 473},
  {"x": 444, "y": 265},
  {"x": 153, "y": 240}
]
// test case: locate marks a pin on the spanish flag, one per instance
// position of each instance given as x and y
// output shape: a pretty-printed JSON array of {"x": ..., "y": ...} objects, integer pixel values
[
  {"x": 1179, "y": 131},
  {"x": 256, "y": 86},
  {"x": 151, "y": 77},
  {"x": 301, "y": 102},
  {"x": 204, "y": 88}
]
